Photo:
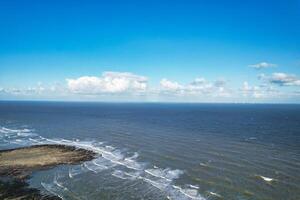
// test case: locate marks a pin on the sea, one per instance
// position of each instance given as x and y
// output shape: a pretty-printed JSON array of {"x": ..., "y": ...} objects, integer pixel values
[{"x": 162, "y": 151}]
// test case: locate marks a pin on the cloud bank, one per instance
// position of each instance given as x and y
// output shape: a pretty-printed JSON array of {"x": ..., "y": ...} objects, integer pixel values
[
  {"x": 126, "y": 86},
  {"x": 108, "y": 82}
]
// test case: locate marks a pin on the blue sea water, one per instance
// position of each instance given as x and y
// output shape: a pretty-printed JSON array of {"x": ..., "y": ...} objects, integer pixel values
[{"x": 163, "y": 151}]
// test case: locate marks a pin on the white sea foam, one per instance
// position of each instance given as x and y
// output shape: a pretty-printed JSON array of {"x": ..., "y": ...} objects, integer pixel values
[
  {"x": 103, "y": 163},
  {"x": 91, "y": 167},
  {"x": 75, "y": 170},
  {"x": 109, "y": 147},
  {"x": 37, "y": 141},
  {"x": 215, "y": 194},
  {"x": 204, "y": 164},
  {"x": 123, "y": 175},
  {"x": 160, "y": 184},
  {"x": 167, "y": 174},
  {"x": 194, "y": 186},
  {"x": 99, "y": 165},
  {"x": 133, "y": 157},
  {"x": 266, "y": 178},
  {"x": 55, "y": 181},
  {"x": 188, "y": 193},
  {"x": 16, "y": 132},
  {"x": 134, "y": 175},
  {"x": 25, "y": 134},
  {"x": 59, "y": 189}
]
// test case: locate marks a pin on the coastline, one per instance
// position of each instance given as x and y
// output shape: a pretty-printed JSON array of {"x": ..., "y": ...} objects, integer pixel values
[{"x": 17, "y": 165}]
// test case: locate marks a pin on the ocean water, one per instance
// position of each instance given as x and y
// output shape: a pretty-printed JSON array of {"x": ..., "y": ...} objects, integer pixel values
[{"x": 163, "y": 151}]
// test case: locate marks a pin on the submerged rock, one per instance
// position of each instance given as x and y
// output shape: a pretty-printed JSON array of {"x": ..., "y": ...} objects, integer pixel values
[{"x": 14, "y": 189}]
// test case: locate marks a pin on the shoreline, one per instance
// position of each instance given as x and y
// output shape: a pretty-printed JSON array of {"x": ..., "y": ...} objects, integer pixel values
[{"x": 17, "y": 165}]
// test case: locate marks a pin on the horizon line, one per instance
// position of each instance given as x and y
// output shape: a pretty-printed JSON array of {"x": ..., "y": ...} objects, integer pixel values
[{"x": 149, "y": 102}]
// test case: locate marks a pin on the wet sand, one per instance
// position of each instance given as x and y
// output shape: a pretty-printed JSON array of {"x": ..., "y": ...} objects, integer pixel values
[{"x": 16, "y": 166}]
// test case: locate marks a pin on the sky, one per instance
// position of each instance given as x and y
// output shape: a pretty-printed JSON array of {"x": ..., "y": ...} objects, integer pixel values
[{"x": 150, "y": 51}]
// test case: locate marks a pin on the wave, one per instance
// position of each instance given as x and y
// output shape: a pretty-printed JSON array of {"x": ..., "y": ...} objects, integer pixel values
[
  {"x": 194, "y": 186},
  {"x": 123, "y": 175},
  {"x": 215, "y": 194},
  {"x": 58, "y": 189},
  {"x": 75, "y": 170},
  {"x": 20, "y": 132},
  {"x": 267, "y": 179},
  {"x": 112, "y": 160},
  {"x": 167, "y": 174}
]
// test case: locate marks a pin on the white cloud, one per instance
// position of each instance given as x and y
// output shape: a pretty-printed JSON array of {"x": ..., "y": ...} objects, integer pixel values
[
  {"x": 262, "y": 91},
  {"x": 262, "y": 65},
  {"x": 109, "y": 82},
  {"x": 170, "y": 85},
  {"x": 252, "y": 91},
  {"x": 198, "y": 87},
  {"x": 283, "y": 79},
  {"x": 38, "y": 90}
]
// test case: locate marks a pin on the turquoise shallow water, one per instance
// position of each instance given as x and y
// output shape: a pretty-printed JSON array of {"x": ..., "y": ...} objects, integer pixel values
[{"x": 163, "y": 151}]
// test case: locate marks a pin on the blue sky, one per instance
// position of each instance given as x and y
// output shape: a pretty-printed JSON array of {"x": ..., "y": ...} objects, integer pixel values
[{"x": 195, "y": 51}]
